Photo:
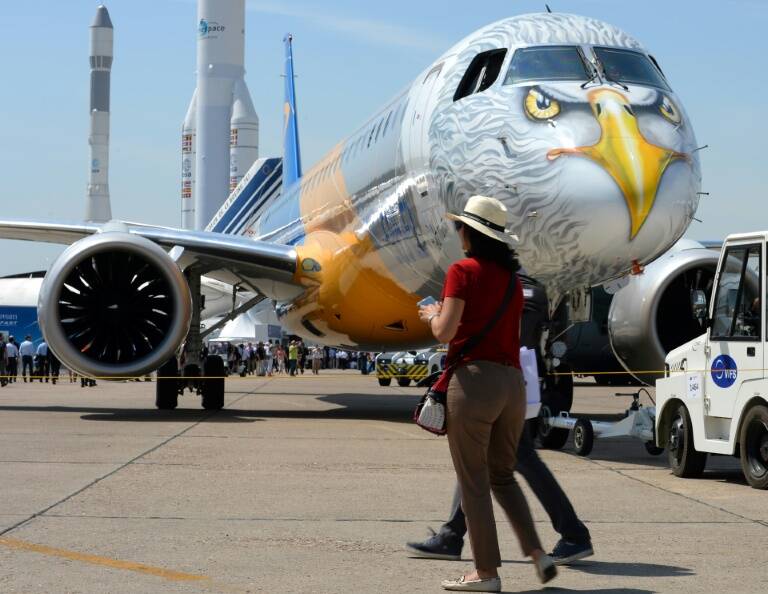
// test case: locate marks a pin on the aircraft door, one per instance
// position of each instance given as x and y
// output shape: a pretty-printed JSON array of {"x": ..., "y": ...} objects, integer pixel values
[
  {"x": 416, "y": 146},
  {"x": 736, "y": 334}
]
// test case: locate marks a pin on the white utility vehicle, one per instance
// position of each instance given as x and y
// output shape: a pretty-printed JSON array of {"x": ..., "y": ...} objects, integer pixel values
[{"x": 714, "y": 396}]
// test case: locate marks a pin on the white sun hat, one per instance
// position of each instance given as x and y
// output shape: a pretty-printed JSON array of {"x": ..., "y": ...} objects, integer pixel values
[{"x": 488, "y": 216}]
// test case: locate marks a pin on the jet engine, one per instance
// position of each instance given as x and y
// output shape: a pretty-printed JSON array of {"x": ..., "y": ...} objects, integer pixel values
[
  {"x": 653, "y": 314},
  {"x": 114, "y": 305}
]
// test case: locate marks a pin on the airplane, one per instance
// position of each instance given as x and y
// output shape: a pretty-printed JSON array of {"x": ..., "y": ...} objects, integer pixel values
[{"x": 566, "y": 119}]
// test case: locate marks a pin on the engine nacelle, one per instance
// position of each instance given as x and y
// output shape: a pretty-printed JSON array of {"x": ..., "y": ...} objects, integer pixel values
[
  {"x": 114, "y": 305},
  {"x": 652, "y": 314}
]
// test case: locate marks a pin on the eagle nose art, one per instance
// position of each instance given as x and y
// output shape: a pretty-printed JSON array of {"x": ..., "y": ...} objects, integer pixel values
[{"x": 635, "y": 164}]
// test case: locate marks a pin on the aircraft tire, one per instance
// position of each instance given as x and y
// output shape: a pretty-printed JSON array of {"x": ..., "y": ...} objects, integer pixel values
[
  {"x": 167, "y": 386},
  {"x": 213, "y": 383},
  {"x": 753, "y": 445},
  {"x": 583, "y": 437},
  {"x": 684, "y": 459}
]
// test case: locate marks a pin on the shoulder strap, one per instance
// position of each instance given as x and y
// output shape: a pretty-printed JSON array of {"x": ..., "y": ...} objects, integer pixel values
[{"x": 477, "y": 338}]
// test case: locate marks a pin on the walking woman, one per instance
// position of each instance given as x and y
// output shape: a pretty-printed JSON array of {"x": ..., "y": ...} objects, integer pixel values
[{"x": 485, "y": 388}]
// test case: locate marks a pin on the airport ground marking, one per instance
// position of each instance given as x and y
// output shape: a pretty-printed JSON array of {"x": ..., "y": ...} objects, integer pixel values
[{"x": 167, "y": 574}]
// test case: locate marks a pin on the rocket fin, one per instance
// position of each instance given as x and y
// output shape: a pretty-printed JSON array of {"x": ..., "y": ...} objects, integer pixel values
[{"x": 291, "y": 152}]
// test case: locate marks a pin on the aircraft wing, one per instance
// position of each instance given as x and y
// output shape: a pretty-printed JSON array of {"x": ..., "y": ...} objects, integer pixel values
[{"x": 263, "y": 266}]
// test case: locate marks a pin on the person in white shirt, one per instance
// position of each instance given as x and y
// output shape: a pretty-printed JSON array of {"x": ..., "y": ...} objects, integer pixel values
[
  {"x": 27, "y": 352},
  {"x": 316, "y": 355},
  {"x": 42, "y": 361},
  {"x": 12, "y": 352}
]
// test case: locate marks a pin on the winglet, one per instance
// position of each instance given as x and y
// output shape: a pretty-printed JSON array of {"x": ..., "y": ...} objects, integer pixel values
[{"x": 292, "y": 154}]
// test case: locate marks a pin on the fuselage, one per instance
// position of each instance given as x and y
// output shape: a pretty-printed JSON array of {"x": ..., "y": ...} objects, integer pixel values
[{"x": 567, "y": 120}]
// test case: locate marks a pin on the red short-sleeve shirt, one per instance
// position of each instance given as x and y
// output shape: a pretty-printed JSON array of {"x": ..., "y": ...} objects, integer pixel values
[{"x": 481, "y": 284}]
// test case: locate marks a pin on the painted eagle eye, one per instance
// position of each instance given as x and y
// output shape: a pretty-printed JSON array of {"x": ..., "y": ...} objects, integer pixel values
[
  {"x": 540, "y": 107},
  {"x": 669, "y": 111}
]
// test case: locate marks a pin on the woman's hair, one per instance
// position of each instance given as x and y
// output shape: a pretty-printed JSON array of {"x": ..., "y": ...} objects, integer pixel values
[{"x": 487, "y": 248}]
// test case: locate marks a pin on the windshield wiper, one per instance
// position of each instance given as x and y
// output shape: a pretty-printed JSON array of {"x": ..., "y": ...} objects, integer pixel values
[
  {"x": 595, "y": 76},
  {"x": 613, "y": 81},
  {"x": 608, "y": 77}
]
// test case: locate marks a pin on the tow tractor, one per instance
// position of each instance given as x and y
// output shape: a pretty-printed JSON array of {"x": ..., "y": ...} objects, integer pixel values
[{"x": 713, "y": 398}]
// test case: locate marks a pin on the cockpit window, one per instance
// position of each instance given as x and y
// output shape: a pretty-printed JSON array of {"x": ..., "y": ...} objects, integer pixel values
[
  {"x": 629, "y": 67},
  {"x": 481, "y": 74},
  {"x": 551, "y": 62}
]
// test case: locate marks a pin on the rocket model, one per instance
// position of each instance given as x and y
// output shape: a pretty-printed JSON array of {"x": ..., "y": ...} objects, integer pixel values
[
  {"x": 220, "y": 134},
  {"x": 98, "y": 208}
]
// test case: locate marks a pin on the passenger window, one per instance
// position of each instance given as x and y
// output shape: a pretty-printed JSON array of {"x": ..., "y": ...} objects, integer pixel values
[
  {"x": 630, "y": 67},
  {"x": 738, "y": 302},
  {"x": 481, "y": 74},
  {"x": 549, "y": 62}
]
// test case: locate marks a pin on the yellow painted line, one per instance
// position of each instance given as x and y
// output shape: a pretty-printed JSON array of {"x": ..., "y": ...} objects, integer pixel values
[{"x": 167, "y": 574}]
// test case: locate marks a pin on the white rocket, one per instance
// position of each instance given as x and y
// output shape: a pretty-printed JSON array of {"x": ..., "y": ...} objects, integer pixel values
[
  {"x": 220, "y": 134},
  {"x": 98, "y": 208}
]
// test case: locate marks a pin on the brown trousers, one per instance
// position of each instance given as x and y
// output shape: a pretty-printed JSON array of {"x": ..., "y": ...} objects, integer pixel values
[{"x": 486, "y": 414}]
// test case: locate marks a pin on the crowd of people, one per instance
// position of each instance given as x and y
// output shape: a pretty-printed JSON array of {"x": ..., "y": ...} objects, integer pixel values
[
  {"x": 34, "y": 362},
  {"x": 292, "y": 358}
]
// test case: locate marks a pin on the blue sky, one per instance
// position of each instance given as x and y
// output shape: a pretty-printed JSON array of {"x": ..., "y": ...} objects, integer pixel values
[{"x": 350, "y": 58}]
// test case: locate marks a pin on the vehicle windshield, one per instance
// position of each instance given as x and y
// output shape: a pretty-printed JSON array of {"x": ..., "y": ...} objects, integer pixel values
[
  {"x": 552, "y": 62},
  {"x": 629, "y": 67}
]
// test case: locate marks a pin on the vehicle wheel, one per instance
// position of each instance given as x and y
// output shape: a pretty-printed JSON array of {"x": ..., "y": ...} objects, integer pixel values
[
  {"x": 385, "y": 381},
  {"x": 753, "y": 444},
  {"x": 403, "y": 382},
  {"x": 683, "y": 458},
  {"x": 167, "y": 386},
  {"x": 552, "y": 438},
  {"x": 583, "y": 437},
  {"x": 213, "y": 384},
  {"x": 653, "y": 449}
]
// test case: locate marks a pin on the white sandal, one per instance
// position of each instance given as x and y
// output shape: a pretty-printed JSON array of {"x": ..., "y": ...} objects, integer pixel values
[{"x": 463, "y": 585}]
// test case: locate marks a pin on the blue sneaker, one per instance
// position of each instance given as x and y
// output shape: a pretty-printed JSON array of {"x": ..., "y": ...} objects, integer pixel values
[
  {"x": 568, "y": 552},
  {"x": 437, "y": 546}
]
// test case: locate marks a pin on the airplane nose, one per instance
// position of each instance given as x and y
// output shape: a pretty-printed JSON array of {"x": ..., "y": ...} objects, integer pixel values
[{"x": 635, "y": 164}]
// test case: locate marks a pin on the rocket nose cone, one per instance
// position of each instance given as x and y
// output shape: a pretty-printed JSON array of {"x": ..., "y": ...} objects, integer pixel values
[{"x": 102, "y": 18}]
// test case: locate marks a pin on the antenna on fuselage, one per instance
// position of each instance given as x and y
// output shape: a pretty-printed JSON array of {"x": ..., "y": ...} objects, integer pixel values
[{"x": 549, "y": 10}]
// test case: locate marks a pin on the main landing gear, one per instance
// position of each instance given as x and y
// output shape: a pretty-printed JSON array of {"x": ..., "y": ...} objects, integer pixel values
[
  {"x": 171, "y": 383},
  {"x": 208, "y": 382}
]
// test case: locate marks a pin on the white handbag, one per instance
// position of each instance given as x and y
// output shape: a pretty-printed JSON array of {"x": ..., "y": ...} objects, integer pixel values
[
  {"x": 432, "y": 416},
  {"x": 531, "y": 377}
]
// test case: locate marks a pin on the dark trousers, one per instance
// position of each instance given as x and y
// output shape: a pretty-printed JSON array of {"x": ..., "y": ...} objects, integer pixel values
[
  {"x": 27, "y": 366},
  {"x": 292, "y": 366},
  {"x": 13, "y": 368},
  {"x": 544, "y": 486}
]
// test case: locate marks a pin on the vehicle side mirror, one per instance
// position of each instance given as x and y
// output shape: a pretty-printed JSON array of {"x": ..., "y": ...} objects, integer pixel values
[{"x": 699, "y": 306}]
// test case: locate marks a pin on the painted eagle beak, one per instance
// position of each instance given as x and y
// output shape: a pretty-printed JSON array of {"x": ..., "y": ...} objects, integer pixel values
[{"x": 635, "y": 164}]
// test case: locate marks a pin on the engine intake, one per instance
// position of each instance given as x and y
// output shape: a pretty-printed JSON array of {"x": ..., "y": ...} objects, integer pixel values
[
  {"x": 652, "y": 315},
  {"x": 114, "y": 305}
]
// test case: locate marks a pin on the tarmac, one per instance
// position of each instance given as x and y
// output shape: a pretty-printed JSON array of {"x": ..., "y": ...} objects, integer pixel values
[{"x": 314, "y": 484}]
